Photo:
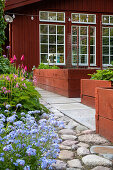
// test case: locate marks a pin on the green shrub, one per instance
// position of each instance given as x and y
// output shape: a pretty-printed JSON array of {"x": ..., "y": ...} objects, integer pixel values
[
  {"x": 43, "y": 66},
  {"x": 103, "y": 75},
  {"x": 4, "y": 65}
]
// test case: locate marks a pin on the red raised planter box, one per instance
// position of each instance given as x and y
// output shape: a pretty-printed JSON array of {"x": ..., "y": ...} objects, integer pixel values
[
  {"x": 65, "y": 82},
  {"x": 88, "y": 90},
  {"x": 104, "y": 112}
]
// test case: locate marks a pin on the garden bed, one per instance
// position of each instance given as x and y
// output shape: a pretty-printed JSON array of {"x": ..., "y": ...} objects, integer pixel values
[
  {"x": 104, "y": 112},
  {"x": 65, "y": 82},
  {"x": 88, "y": 90}
]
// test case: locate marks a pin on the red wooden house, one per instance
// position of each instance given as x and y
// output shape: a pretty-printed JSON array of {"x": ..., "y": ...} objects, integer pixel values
[{"x": 67, "y": 33}]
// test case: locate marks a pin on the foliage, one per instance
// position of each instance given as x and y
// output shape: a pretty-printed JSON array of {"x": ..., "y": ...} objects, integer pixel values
[
  {"x": 4, "y": 65},
  {"x": 2, "y": 25},
  {"x": 103, "y": 75},
  {"x": 26, "y": 145},
  {"x": 43, "y": 66}
]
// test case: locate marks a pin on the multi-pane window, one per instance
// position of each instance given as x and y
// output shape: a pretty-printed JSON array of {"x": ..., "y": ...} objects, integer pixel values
[
  {"x": 52, "y": 43},
  {"x": 83, "y": 39},
  {"x": 107, "y": 45},
  {"x": 83, "y": 18},
  {"x": 52, "y": 16},
  {"x": 107, "y": 19}
]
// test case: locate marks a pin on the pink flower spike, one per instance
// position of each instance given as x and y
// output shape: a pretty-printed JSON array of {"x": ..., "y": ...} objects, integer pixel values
[
  {"x": 22, "y": 58},
  {"x": 14, "y": 58},
  {"x": 25, "y": 68},
  {"x": 22, "y": 66},
  {"x": 11, "y": 61}
]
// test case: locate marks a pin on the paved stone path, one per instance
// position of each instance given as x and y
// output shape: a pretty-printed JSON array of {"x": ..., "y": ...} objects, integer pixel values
[{"x": 80, "y": 147}]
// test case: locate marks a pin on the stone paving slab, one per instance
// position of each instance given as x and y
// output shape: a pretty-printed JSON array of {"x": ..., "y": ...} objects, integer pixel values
[{"x": 78, "y": 137}]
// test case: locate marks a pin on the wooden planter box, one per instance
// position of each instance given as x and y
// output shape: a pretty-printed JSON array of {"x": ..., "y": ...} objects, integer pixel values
[
  {"x": 88, "y": 90},
  {"x": 65, "y": 82},
  {"x": 104, "y": 112}
]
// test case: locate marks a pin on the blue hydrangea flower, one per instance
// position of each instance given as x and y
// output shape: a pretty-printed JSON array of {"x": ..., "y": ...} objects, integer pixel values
[
  {"x": 20, "y": 162},
  {"x": 31, "y": 152}
]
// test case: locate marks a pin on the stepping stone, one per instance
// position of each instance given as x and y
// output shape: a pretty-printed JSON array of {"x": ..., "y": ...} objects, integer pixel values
[
  {"x": 72, "y": 124},
  {"x": 81, "y": 144},
  {"x": 67, "y": 132},
  {"x": 106, "y": 151},
  {"x": 75, "y": 163},
  {"x": 65, "y": 154},
  {"x": 64, "y": 147},
  {"x": 73, "y": 169},
  {"x": 92, "y": 138},
  {"x": 80, "y": 128},
  {"x": 59, "y": 165},
  {"x": 65, "y": 119},
  {"x": 85, "y": 132},
  {"x": 74, "y": 147},
  {"x": 69, "y": 142},
  {"x": 70, "y": 137},
  {"x": 82, "y": 151},
  {"x": 94, "y": 160},
  {"x": 101, "y": 168}
]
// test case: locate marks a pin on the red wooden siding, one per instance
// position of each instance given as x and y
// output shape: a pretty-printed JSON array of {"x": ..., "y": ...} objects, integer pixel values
[{"x": 25, "y": 32}]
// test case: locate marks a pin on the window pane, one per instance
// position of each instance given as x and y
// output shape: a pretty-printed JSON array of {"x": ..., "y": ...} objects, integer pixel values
[
  {"x": 60, "y": 16},
  {"x": 74, "y": 40},
  {"x": 74, "y": 59},
  {"x": 92, "y": 40},
  {"x": 105, "y": 31},
  {"x": 91, "y": 18},
  {"x": 83, "y": 18},
  {"x": 52, "y": 39},
  {"x": 60, "y": 39},
  {"x": 83, "y": 40},
  {"x": 74, "y": 30},
  {"x": 111, "y": 19},
  {"x": 83, "y": 50},
  {"x": 43, "y": 29},
  {"x": 105, "y": 59},
  {"x": 83, "y": 59},
  {"x": 52, "y": 58},
  {"x": 106, "y": 50},
  {"x": 74, "y": 49},
  {"x": 44, "y": 38},
  {"x": 92, "y": 31},
  {"x": 60, "y": 58},
  {"x": 111, "y": 41},
  {"x": 44, "y": 48},
  {"x": 44, "y": 58},
  {"x": 52, "y": 29},
  {"x": 111, "y": 31},
  {"x": 60, "y": 48},
  {"x": 105, "y": 19},
  {"x": 75, "y": 17},
  {"x": 111, "y": 59},
  {"x": 44, "y": 15},
  {"x": 52, "y": 16},
  {"x": 83, "y": 30},
  {"x": 60, "y": 29},
  {"x": 92, "y": 49},
  {"x": 92, "y": 59},
  {"x": 52, "y": 48},
  {"x": 105, "y": 40},
  {"x": 111, "y": 51}
]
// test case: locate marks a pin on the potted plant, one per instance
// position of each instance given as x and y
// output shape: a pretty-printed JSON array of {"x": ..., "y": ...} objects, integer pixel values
[
  {"x": 102, "y": 78},
  {"x": 65, "y": 82}
]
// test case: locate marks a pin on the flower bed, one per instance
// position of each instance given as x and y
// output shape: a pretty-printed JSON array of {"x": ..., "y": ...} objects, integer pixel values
[
  {"x": 26, "y": 144},
  {"x": 62, "y": 81},
  {"x": 104, "y": 112}
]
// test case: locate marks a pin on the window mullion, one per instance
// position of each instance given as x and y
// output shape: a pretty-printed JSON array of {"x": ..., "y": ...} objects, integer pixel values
[{"x": 56, "y": 45}]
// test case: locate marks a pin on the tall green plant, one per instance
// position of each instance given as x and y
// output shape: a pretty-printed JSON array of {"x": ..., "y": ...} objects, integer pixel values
[{"x": 2, "y": 25}]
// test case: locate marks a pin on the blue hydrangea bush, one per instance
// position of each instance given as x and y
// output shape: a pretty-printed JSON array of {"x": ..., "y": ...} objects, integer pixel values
[{"x": 26, "y": 144}]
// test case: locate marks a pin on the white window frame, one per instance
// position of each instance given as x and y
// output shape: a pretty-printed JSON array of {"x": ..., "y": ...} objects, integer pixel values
[
  {"x": 106, "y": 65},
  {"x": 49, "y": 44},
  {"x": 79, "y": 22},
  {"x": 88, "y": 43},
  {"x": 51, "y": 20}
]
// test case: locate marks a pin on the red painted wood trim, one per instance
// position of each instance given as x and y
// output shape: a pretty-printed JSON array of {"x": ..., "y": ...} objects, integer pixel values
[{"x": 11, "y": 4}]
